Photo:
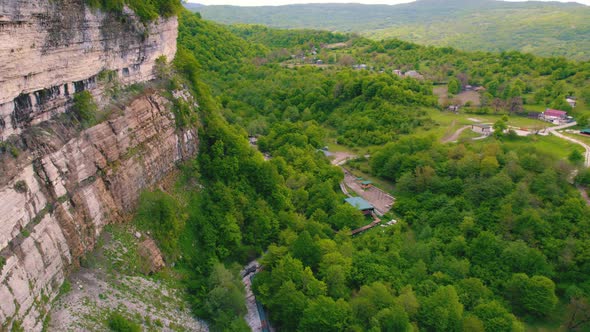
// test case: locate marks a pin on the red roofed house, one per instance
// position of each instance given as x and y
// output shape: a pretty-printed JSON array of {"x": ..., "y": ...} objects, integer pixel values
[{"x": 553, "y": 115}]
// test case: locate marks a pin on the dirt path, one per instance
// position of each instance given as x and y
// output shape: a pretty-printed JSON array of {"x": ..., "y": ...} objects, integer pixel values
[
  {"x": 553, "y": 130},
  {"x": 455, "y": 136},
  {"x": 341, "y": 157}
]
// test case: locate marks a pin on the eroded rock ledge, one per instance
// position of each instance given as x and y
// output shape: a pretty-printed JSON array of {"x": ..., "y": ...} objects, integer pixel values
[{"x": 51, "y": 49}]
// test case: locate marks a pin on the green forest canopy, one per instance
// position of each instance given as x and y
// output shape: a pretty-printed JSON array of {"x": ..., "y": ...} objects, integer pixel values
[
  {"x": 491, "y": 236},
  {"x": 543, "y": 28}
]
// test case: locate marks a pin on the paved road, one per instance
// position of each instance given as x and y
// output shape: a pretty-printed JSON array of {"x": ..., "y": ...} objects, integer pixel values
[{"x": 553, "y": 130}]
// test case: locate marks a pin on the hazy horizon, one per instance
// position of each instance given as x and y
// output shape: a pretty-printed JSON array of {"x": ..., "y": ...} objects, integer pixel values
[{"x": 250, "y": 3}]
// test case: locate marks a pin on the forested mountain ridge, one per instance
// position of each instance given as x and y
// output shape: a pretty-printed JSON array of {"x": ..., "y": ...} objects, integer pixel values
[{"x": 547, "y": 29}]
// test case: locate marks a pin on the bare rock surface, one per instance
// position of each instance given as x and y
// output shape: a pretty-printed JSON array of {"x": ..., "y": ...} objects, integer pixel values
[
  {"x": 150, "y": 252},
  {"x": 50, "y": 49}
]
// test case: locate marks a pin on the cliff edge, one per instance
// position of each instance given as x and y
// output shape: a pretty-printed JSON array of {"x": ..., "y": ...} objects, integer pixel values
[{"x": 65, "y": 184}]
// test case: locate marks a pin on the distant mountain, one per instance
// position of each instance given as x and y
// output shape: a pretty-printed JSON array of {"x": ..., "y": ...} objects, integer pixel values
[
  {"x": 193, "y": 6},
  {"x": 543, "y": 28}
]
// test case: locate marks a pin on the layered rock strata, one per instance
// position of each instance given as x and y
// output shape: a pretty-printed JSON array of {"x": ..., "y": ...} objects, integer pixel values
[
  {"x": 63, "y": 186},
  {"x": 51, "y": 49},
  {"x": 53, "y": 210}
]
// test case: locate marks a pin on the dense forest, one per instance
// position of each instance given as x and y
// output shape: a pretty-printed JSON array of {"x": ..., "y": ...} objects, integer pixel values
[
  {"x": 542, "y": 28},
  {"x": 491, "y": 235}
]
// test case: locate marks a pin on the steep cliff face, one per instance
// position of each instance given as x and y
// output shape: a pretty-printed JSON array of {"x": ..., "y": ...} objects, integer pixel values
[
  {"x": 53, "y": 210},
  {"x": 56, "y": 197},
  {"x": 51, "y": 49}
]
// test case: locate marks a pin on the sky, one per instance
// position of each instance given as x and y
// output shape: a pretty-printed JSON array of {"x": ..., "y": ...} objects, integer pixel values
[{"x": 286, "y": 2}]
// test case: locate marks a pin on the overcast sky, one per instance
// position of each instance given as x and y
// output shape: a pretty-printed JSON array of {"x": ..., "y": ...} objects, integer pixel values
[{"x": 285, "y": 2}]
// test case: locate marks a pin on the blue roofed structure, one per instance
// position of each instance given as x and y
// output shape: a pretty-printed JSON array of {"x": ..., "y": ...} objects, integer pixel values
[{"x": 361, "y": 204}]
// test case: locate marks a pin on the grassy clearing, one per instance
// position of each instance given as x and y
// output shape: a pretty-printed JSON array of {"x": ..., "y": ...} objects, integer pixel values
[
  {"x": 468, "y": 134},
  {"x": 362, "y": 169},
  {"x": 447, "y": 118},
  {"x": 579, "y": 137},
  {"x": 555, "y": 146},
  {"x": 448, "y": 122},
  {"x": 462, "y": 98}
]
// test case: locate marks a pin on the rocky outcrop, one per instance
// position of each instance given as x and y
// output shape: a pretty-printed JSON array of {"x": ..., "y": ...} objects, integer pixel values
[
  {"x": 149, "y": 251},
  {"x": 53, "y": 210},
  {"x": 50, "y": 49}
]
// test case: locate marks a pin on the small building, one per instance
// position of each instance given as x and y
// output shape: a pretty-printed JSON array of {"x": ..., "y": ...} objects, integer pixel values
[
  {"x": 533, "y": 115},
  {"x": 555, "y": 116},
  {"x": 571, "y": 101},
  {"x": 482, "y": 128},
  {"x": 360, "y": 204},
  {"x": 414, "y": 74},
  {"x": 366, "y": 184},
  {"x": 454, "y": 108},
  {"x": 398, "y": 72},
  {"x": 585, "y": 131},
  {"x": 468, "y": 88},
  {"x": 319, "y": 62}
]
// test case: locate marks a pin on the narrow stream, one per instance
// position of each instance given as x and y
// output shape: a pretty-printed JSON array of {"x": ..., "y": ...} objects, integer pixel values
[{"x": 256, "y": 316}]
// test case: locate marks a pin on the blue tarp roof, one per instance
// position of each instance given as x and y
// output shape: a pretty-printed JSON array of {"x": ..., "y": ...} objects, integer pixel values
[{"x": 359, "y": 203}]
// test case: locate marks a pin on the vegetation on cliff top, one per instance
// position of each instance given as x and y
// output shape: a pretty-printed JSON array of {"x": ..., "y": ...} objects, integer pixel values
[{"x": 147, "y": 10}]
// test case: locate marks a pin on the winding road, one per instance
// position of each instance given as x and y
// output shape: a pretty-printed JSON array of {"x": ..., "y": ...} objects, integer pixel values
[
  {"x": 553, "y": 130},
  {"x": 455, "y": 135}
]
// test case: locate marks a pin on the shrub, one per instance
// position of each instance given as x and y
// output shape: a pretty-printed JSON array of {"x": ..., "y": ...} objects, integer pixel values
[
  {"x": 84, "y": 108},
  {"x": 2, "y": 262},
  {"x": 21, "y": 186},
  {"x": 118, "y": 323},
  {"x": 159, "y": 212}
]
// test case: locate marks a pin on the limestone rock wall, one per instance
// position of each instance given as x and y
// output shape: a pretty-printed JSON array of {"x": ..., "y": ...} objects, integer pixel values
[
  {"x": 66, "y": 185},
  {"x": 54, "y": 208},
  {"x": 50, "y": 49}
]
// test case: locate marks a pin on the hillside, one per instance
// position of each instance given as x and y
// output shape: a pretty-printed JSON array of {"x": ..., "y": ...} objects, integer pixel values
[{"x": 542, "y": 28}]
